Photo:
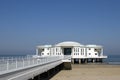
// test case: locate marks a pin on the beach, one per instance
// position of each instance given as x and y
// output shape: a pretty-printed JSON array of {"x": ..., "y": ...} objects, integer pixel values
[{"x": 89, "y": 72}]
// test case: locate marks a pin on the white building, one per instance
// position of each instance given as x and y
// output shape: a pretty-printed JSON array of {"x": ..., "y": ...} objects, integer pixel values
[{"x": 77, "y": 51}]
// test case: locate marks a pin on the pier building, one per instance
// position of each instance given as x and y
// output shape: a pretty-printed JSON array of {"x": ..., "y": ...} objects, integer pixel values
[{"x": 79, "y": 53}]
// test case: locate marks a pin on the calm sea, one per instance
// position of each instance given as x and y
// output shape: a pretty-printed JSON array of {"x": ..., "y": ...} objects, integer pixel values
[{"x": 112, "y": 59}]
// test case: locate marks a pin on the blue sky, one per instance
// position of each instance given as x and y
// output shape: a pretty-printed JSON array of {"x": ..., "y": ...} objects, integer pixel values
[{"x": 24, "y": 24}]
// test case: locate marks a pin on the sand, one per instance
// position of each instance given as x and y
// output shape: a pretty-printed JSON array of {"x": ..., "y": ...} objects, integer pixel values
[{"x": 89, "y": 72}]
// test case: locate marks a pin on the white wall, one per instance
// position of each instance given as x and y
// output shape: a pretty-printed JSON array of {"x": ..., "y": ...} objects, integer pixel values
[
  {"x": 77, "y": 52},
  {"x": 91, "y": 52}
]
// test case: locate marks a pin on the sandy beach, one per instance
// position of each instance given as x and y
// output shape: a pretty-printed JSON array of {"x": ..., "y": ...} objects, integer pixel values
[{"x": 89, "y": 72}]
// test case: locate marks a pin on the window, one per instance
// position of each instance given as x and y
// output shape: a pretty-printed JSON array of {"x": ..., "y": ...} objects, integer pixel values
[
  {"x": 95, "y": 49},
  {"x": 56, "y": 49},
  {"x": 89, "y": 48},
  {"x": 47, "y": 53},
  {"x": 74, "y": 49},
  {"x": 89, "y": 53},
  {"x": 47, "y": 48},
  {"x": 83, "y": 50},
  {"x": 95, "y": 53},
  {"x": 42, "y": 49},
  {"x": 42, "y": 53}
]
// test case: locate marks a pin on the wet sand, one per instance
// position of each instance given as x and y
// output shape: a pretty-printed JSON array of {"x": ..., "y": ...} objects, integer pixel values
[{"x": 89, "y": 72}]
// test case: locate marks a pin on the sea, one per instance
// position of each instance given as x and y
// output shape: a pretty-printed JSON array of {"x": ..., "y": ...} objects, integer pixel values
[{"x": 112, "y": 59}]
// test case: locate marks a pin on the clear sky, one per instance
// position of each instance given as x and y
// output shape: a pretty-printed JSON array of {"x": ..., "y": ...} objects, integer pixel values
[{"x": 24, "y": 24}]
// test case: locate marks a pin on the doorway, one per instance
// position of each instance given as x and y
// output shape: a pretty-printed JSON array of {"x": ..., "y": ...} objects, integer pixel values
[{"x": 67, "y": 51}]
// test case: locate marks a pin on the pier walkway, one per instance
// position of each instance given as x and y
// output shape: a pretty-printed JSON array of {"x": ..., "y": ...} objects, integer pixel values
[{"x": 28, "y": 67}]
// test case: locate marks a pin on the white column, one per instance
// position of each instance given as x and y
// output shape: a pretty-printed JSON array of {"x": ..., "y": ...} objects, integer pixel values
[
  {"x": 72, "y": 51},
  {"x": 37, "y": 51},
  {"x": 102, "y": 52},
  {"x": 61, "y": 50}
]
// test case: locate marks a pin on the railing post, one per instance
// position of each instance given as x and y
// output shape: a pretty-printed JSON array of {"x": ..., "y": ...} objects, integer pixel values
[
  {"x": 16, "y": 63},
  {"x": 33, "y": 61},
  {"x": 7, "y": 64},
  {"x": 23, "y": 63},
  {"x": 37, "y": 61},
  {"x": 29, "y": 61}
]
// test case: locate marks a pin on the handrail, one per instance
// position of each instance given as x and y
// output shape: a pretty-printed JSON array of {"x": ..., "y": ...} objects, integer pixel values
[{"x": 14, "y": 64}]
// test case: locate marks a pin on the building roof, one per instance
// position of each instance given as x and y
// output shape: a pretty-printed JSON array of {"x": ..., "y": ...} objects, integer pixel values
[
  {"x": 94, "y": 46},
  {"x": 69, "y": 43},
  {"x": 43, "y": 46}
]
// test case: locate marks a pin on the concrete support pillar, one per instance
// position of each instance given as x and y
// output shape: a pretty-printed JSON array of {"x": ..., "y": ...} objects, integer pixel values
[
  {"x": 47, "y": 73},
  {"x": 72, "y": 60},
  {"x": 79, "y": 61},
  {"x": 96, "y": 60},
  {"x": 85, "y": 60},
  {"x": 82, "y": 61},
  {"x": 67, "y": 66},
  {"x": 37, "y": 51},
  {"x": 39, "y": 77},
  {"x": 93, "y": 60}
]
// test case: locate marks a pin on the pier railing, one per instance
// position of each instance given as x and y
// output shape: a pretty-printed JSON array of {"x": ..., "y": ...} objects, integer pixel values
[
  {"x": 67, "y": 57},
  {"x": 8, "y": 65}
]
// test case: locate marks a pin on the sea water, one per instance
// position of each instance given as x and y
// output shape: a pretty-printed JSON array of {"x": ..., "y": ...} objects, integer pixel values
[{"x": 113, "y": 59}]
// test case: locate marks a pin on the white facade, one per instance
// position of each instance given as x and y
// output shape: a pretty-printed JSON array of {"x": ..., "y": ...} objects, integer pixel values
[{"x": 75, "y": 49}]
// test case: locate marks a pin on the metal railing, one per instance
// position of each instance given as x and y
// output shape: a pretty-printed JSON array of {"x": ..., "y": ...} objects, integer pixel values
[
  {"x": 67, "y": 57},
  {"x": 13, "y": 64}
]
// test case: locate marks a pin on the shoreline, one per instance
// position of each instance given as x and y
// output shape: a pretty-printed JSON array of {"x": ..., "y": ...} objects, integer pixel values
[{"x": 89, "y": 72}]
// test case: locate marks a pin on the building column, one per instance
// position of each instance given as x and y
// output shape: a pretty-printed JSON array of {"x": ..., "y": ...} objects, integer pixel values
[
  {"x": 73, "y": 60},
  {"x": 37, "y": 51},
  {"x": 102, "y": 52},
  {"x": 39, "y": 77},
  {"x": 79, "y": 61},
  {"x": 93, "y": 60},
  {"x": 85, "y": 60}
]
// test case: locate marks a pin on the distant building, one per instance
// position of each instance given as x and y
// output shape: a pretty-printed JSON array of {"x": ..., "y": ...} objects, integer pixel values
[{"x": 76, "y": 50}]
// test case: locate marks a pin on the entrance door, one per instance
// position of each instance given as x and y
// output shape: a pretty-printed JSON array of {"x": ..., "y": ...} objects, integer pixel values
[{"x": 67, "y": 51}]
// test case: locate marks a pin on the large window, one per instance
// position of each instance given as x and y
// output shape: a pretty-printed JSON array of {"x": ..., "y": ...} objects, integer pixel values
[{"x": 67, "y": 51}]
